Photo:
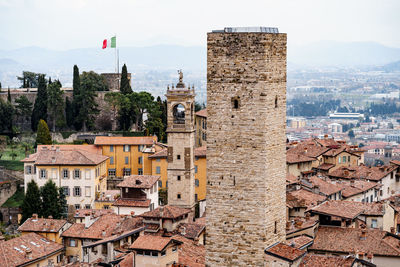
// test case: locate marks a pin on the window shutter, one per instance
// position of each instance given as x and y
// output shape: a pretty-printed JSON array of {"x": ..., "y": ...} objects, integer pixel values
[
  {"x": 187, "y": 158},
  {"x": 170, "y": 155}
]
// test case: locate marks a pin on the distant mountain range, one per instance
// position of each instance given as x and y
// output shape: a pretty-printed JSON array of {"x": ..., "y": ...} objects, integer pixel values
[{"x": 194, "y": 58}]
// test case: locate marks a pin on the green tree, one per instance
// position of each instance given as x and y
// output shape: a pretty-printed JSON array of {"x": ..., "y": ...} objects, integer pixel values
[
  {"x": 29, "y": 79},
  {"x": 141, "y": 102},
  {"x": 69, "y": 112},
  {"x": 76, "y": 97},
  {"x": 125, "y": 86},
  {"x": 88, "y": 106},
  {"x": 62, "y": 203},
  {"x": 43, "y": 134},
  {"x": 32, "y": 202},
  {"x": 40, "y": 107},
  {"x": 94, "y": 81},
  {"x": 56, "y": 105},
  {"x": 9, "y": 95},
  {"x": 6, "y": 116},
  {"x": 23, "y": 107},
  {"x": 154, "y": 124},
  {"x": 0, "y": 87},
  {"x": 50, "y": 200}
]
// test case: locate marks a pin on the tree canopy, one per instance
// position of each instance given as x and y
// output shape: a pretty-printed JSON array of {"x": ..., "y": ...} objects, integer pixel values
[
  {"x": 56, "y": 105},
  {"x": 32, "y": 201},
  {"x": 43, "y": 134},
  {"x": 40, "y": 107}
]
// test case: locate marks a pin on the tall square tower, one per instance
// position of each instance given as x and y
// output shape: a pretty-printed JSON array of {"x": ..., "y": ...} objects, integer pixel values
[{"x": 246, "y": 158}]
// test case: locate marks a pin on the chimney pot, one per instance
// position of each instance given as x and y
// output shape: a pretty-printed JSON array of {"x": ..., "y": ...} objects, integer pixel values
[{"x": 34, "y": 216}]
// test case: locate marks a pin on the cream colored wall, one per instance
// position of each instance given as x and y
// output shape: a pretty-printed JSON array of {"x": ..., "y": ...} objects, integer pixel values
[
  {"x": 73, "y": 251},
  {"x": 388, "y": 218},
  {"x": 150, "y": 261},
  {"x": 45, "y": 262},
  {"x": 293, "y": 213},
  {"x": 296, "y": 168}
]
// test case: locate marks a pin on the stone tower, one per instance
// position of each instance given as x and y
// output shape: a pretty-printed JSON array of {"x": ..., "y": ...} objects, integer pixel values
[
  {"x": 180, "y": 158},
  {"x": 246, "y": 159}
]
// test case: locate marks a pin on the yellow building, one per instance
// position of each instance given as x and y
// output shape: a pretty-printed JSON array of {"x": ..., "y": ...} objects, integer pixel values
[
  {"x": 30, "y": 250},
  {"x": 47, "y": 227},
  {"x": 159, "y": 167},
  {"x": 201, "y": 128},
  {"x": 127, "y": 155},
  {"x": 79, "y": 169}
]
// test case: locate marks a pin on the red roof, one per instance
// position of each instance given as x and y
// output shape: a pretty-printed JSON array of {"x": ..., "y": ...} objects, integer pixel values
[
  {"x": 284, "y": 251},
  {"x": 153, "y": 242},
  {"x": 126, "y": 140},
  {"x": 132, "y": 203},
  {"x": 202, "y": 113},
  {"x": 42, "y": 225},
  {"x": 166, "y": 212},
  {"x": 139, "y": 181}
]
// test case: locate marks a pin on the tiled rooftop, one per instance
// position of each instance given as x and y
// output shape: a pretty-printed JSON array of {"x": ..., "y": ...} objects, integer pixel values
[
  {"x": 284, "y": 251},
  {"x": 65, "y": 157},
  {"x": 126, "y": 140},
  {"x": 202, "y": 113},
  {"x": 139, "y": 181},
  {"x": 35, "y": 224},
  {"x": 152, "y": 242},
  {"x": 303, "y": 198},
  {"x": 166, "y": 212},
  {"x": 349, "y": 209},
  {"x": 312, "y": 260}
]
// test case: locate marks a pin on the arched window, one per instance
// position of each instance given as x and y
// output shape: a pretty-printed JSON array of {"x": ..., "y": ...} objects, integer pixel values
[{"x": 179, "y": 114}]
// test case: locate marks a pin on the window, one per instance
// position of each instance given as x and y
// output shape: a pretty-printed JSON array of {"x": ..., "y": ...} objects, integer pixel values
[
  {"x": 111, "y": 172},
  {"x": 140, "y": 171},
  {"x": 77, "y": 191},
  {"x": 126, "y": 160},
  {"x": 235, "y": 102},
  {"x": 140, "y": 148},
  {"x": 111, "y": 148},
  {"x": 178, "y": 157},
  {"x": 348, "y": 158},
  {"x": 154, "y": 254},
  {"x": 111, "y": 160},
  {"x": 344, "y": 159},
  {"x": 127, "y": 148},
  {"x": 28, "y": 169},
  {"x": 374, "y": 223},
  {"x": 72, "y": 243},
  {"x": 195, "y": 168},
  {"x": 381, "y": 192},
  {"x": 340, "y": 160},
  {"x": 166, "y": 184},
  {"x": 87, "y": 191},
  {"x": 87, "y": 174},
  {"x": 371, "y": 197},
  {"x": 163, "y": 253},
  {"x": 296, "y": 209},
  {"x": 195, "y": 197},
  {"x": 159, "y": 183},
  {"x": 158, "y": 170},
  {"x": 388, "y": 190},
  {"x": 196, "y": 182},
  {"x": 174, "y": 249},
  {"x": 42, "y": 174},
  {"x": 178, "y": 196},
  {"x": 65, "y": 173},
  {"x": 53, "y": 173},
  {"x": 87, "y": 206},
  {"x": 66, "y": 190},
  {"x": 127, "y": 171},
  {"x": 77, "y": 206},
  {"x": 77, "y": 174},
  {"x": 140, "y": 160},
  {"x": 178, "y": 177},
  {"x": 158, "y": 160}
]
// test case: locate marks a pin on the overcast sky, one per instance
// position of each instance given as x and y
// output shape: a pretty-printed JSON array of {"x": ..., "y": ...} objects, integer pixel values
[{"x": 68, "y": 24}]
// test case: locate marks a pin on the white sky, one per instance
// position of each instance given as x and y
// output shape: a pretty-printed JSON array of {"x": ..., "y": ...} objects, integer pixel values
[{"x": 68, "y": 24}]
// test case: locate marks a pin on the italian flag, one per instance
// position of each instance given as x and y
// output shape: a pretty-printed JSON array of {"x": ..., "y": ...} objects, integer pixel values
[{"x": 110, "y": 43}]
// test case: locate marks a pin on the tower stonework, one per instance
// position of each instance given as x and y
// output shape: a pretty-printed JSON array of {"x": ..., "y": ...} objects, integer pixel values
[
  {"x": 246, "y": 154},
  {"x": 180, "y": 157}
]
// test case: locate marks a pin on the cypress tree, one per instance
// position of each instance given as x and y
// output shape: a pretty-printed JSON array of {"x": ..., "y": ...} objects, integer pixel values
[
  {"x": 50, "y": 200},
  {"x": 40, "y": 107},
  {"x": 69, "y": 112},
  {"x": 9, "y": 95},
  {"x": 43, "y": 134},
  {"x": 76, "y": 98},
  {"x": 0, "y": 86},
  {"x": 62, "y": 203},
  {"x": 32, "y": 201},
  {"x": 125, "y": 87}
]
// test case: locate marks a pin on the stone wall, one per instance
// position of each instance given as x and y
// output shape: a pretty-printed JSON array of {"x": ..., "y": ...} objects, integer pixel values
[{"x": 246, "y": 116}]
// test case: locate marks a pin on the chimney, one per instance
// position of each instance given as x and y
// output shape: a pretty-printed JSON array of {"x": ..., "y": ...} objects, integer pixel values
[
  {"x": 183, "y": 231},
  {"x": 392, "y": 230},
  {"x": 305, "y": 150},
  {"x": 363, "y": 235},
  {"x": 325, "y": 136},
  {"x": 28, "y": 252},
  {"x": 351, "y": 182},
  {"x": 132, "y": 214},
  {"x": 34, "y": 216},
  {"x": 53, "y": 159},
  {"x": 57, "y": 149},
  {"x": 50, "y": 217}
]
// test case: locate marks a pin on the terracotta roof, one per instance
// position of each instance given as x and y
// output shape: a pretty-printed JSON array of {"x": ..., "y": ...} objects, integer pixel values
[
  {"x": 30, "y": 158},
  {"x": 88, "y": 148},
  {"x": 291, "y": 179},
  {"x": 139, "y": 181},
  {"x": 293, "y": 158},
  {"x": 300, "y": 242},
  {"x": 363, "y": 172},
  {"x": 303, "y": 198},
  {"x": 126, "y": 140},
  {"x": 132, "y": 203},
  {"x": 127, "y": 261},
  {"x": 327, "y": 142},
  {"x": 284, "y": 251},
  {"x": 343, "y": 209},
  {"x": 103, "y": 227},
  {"x": 14, "y": 251},
  {"x": 190, "y": 252},
  {"x": 308, "y": 149},
  {"x": 42, "y": 225},
  {"x": 325, "y": 166},
  {"x": 335, "y": 151},
  {"x": 299, "y": 224},
  {"x": 202, "y": 113},
  {"x": 153, "y": 242},
  {"x": 355, "y": 187},
  {"x": 160, "y": 154},
  {"x": 350, "y": 240},
  {"x": 166, "y": 212},
  {"x": 67, "y": 157},
  {"x": 95, "y": 212},
  {"x": 313, "y": 260},
  {"x": 325, "y": 186},
  {"x": 190, "y": 230}
]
